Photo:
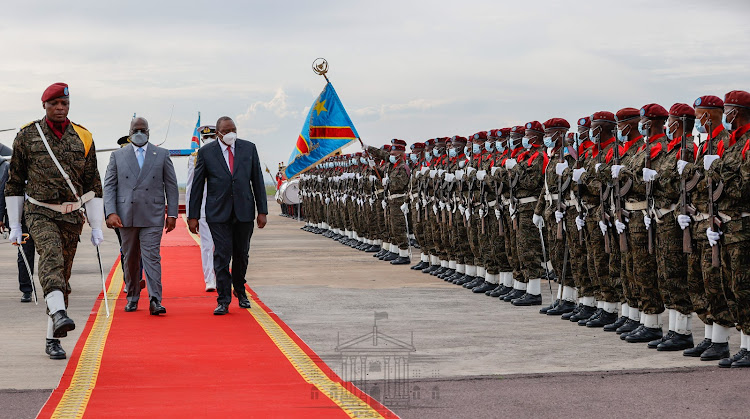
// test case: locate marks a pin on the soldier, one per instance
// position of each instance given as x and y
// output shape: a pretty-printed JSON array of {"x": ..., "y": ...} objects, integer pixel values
[
  {"x": 419, "y": 166},
  {"x": 54, "y": 164},
  {"x": 497, "y": 187},
  {"x": 437, "y": 164},
  {"x": 208, "y": 134},
  {"x": 455, "y": 222}
]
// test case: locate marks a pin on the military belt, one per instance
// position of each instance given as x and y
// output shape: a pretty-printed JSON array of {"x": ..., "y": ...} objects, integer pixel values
[
  {"x": 550, "y": 197},
  {"x": 492, "y": 203},
  {"x": 396, "y": 196},
  {"x": 65, "y": 207},
  {"x": 636, "y": 206},
  {"x": 527, "y": 200}
]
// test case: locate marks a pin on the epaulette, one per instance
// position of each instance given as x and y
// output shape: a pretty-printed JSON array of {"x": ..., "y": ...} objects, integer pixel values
[
  {"x": 84, "y": 135},
  {"x": 79, "y": 126},
  {"x": 30, "y": 124},
  {"x": 194, "y": 153}
]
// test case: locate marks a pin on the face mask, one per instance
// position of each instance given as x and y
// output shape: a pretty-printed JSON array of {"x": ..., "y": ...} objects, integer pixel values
[
  {"x": 488, "y": 145},
  {"x": 583, "y": 135},
  {"x": 461, "y": 164},
  {"x": 476, "y": 148},
  {"x": 511, "y": 143},
  {"x": 363, "y": 160},
  {"x": 392, "y": 159},
  {"x": 623, "y": 138},
  {"x": 700, "y": 127},
  {"x": 452, "y": 152},
  {"x": 526, "y": 143},
  {"x": 548, "y": 142},
  {"x": 500, "y": 147},
  {"x": 592, "y": 137},
  {"x": 435, "y": 152},
  {"x": 229, "y": 138},
  {"x": 414, "y": 157},
  {"x": 139, "y": 139},
  {"x": 670, "y": 133},
  {"x": 466, "y": 149},
  {"x": 727, "y": 125},
  {"x": 642, "y": 128}
]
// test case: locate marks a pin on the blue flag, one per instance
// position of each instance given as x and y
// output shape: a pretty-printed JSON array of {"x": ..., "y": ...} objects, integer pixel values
[
  {"x": 195, "y": 142},
  {"x": 327, "y": 130}
]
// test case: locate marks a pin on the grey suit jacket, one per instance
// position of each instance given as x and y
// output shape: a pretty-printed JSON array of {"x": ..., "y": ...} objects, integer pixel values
[{"x": 138, "y": 195}]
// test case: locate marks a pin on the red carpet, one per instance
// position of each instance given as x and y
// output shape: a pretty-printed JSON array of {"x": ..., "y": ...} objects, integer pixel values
[{"x": 190, "y": 363}]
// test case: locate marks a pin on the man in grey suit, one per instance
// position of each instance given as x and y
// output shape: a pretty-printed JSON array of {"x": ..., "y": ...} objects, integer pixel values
[
  {"x": 230, "y": 170},
  {"x": 138, "y": 177}
]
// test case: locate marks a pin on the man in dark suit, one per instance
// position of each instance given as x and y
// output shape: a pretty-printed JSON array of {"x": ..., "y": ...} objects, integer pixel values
[{"x": 230, "y": 170}]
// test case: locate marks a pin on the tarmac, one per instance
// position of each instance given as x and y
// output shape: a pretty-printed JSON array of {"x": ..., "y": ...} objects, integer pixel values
[{"x": 466, "y": 355}]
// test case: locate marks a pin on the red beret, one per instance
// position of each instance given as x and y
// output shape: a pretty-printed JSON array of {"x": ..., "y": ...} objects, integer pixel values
[
  {"x": 603, "y": 116},
  {"x": 417, "y": 146},
  {"x": 585, "y": 122},
  {"x": 499, "y": 133},
  {"x": 386, "y": 147},
  {"x": 458, "y": 139},
  {"x": 708, "y": 101},
  {"x": 625, "y": 114},
  {"x": 571, "y": 136},
  {"x": 517, "y": 129},
  {"x": 682, "y": 109},
  {"x": 358, "y": 154},
  {"x": 430, "y": 142},
  {"x": 441, "y": 140},
  {"x": 556, "y": 123},
  {"x": 481, "y": 135},
  {"x": 653, "y": 110},
  {"x": 55, "y": 91},
  {"x": 396, "y": 141},
  {"x": 398, "y": 147},
  {"x": 737, "y": 98},
  {"x": 534, "y": 126}
]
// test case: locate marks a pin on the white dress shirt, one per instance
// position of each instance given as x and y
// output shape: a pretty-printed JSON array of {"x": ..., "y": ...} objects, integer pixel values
[{"x": 224, "y": 149}]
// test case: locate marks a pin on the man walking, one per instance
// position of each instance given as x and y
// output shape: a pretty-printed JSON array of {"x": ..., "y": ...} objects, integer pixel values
[
  {"x": 138, "y": 177},
  {"x": 230, "y": 171},
  {"x": 208, "y": 134}
]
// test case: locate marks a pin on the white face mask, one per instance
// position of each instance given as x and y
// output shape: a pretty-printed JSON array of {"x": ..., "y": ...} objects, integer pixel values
[{"x": 229, "y": 138}]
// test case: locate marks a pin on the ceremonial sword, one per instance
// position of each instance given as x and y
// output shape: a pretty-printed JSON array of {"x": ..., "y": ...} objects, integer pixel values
[
  {"x": 104, "y": 284},
  {"x": 28, "y": 267}
]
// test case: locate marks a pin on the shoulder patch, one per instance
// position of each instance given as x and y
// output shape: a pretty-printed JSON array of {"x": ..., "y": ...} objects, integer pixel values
[
  {"x": 86, "y": 138},
  {"x": 30, "y": 124}
]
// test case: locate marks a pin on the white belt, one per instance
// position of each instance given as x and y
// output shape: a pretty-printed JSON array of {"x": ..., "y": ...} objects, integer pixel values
[
  {"x": 527, "y": 200},
  {"x": 505, "y": 201},
  {"x": 661, "y": 212},
  {"x": 65, "y": 207},
  {"x": 396, "y": 196},
  {"x": 550, "y": 197},
  {"x": 636, "y": 206},
  {"x": 492, "y": 203}
]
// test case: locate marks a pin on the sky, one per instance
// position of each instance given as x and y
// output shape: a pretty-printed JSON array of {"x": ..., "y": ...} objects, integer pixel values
[{"x": 403, "y": 69}]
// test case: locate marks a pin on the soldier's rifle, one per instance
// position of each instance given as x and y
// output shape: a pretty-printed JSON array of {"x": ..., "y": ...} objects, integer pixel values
[
  {"x": 649, "y": 193},
  {"x": 560, "y": 190},
  {"x": 498, "y": 201},
  {"x": 512, "y": 182},
  {"x": 617, "y": 196},
  {"x": 482, "y": 201},
  {"x": 603, "y": 195},
  {"x": 687, "y": 245},
  {"x": 578, "y": 188},
  {"x": 713, "y": 221}
]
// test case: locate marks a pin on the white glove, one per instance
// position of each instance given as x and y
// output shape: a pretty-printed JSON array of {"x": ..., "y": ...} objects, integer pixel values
[
  {"x": 371, "y": 162},
  {"x": 470, "y": 170},
  {"x": 424, "y": 170},
  {"x": 440, "y": 172},
  {"x": 385, "y": 180},
  {"x": 404, "y": 208},
  {"x": 328, "y": 201},
  {"x": 713, "y": 236},
  {"x": 649, "y": 174},
  {"x": 442, "y": 205},
  {"x": 384, "y": 204},
  {"x": 459, "y": 174},
  {"x": 467, "y": 214},
  {"x": 461, "y": 209},
  {"x": 481, "y": 174},
  {"x": 494, "y": 170},
  {"x": 646, "y": 220},
  {"x": 620, "y": 226},
  {"x": 560, "y": 168},
  {"x": 596, "y": 167},
  {"x": 449, "y": 177},
  {"x": 434, "y": 209},
  {"x": 559, "y": 216},
  {"x": 681, "y": 166},
  {"x": 424, "y": 202},
  {"x": 462, "y": 164},
  {"x": 538, "y": 221},
  {"x": 683, "y": 221},
  {"x": 481, "y": 213},
  {"x": 512, "y": 210},
  {"x": 580, "y": 223},
  {"x": 577, "y": 173},
  {"x": 433, "y": 172},
  {"x": 616, "y": 168},
  {"x": 372, "y": 178},
  {"x": 497, "y": 214},
  {"x": 603, "y": 227},
  {"x": 510, "y": 164},
  {"x": 97, "y": 237},
  {"x": 16, "y": 235},
  {"x": 708, "y": 160},
  {"x": 14, "y": 208},
  {"x": 344, "y": 197}
]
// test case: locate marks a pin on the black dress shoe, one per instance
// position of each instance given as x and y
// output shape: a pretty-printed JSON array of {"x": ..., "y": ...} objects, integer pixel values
[
  {"x": 242, "y": 299},
  {"x": 471, "y": 284},
  {"x": 54, "y": 349},
  {"x": 439, "y": 270},
  {"x": 26, "y": 297},
  {"x": 698, "y": 350},
  {"x": 528, "y": 300},
  {"x": 678, "y": 342},
  {"x": 575, "y": 311},
  {"x": 646, "y": 334},
  {"x": 629, "y": 326},
  {"x": 221, "y": 309},
  {"x": 616, "y": 325},
  {"x": 564, "y": 307},
  {"x": 624, "y": 335},
  {"x": 430, "y": 268},
  {"x": 594, "y": 316},
  {"x": 584, "y": 313},
  {"x": 155, "y": 308},
  {"x": 419, "y": 266},
  {"x": 447, "y": 273},
  {"x": 373, "y": 249},
  {"x": 489, "y": 292},
  {"x": 656, "y": 342},
  {"x": 743, "y": 362},
  {"x": 380, "y": 253},
  {"x": 554, "y": 304},
  {"x": 62, "y": 324},
  {"x": 716, "y": 352},
  {"x": 401, "y": 260},
  {"x": 501, "y": 291},
  {"x": 389, "y": 257},
  {"x": 604, "y": 318},
  {"x": 464, "y": 280},
  {"x": 483, "y": 287},
  {"x": 454, "y": 277},
  {"x": 513, "y": 295},
  {"x": 131, "y": 306}
]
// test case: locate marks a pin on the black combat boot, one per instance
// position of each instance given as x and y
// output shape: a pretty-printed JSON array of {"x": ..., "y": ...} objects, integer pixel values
[
  {"x": 564, "y": 307},
  {"x": 55, "y": 350},
  {"x": 698, "y": 350},
  {"x": 62, "y": 324},
  {"x": 677, "y": 342},
  {"x": 716, "y": 352},
  {"x": 528, "y": 300},
  {"x": 612, "y": 327}
]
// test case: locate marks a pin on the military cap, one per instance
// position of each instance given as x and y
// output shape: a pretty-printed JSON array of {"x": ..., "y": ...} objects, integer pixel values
[
  {"x": 396, "y": 141},
  {"x": 626, "y": 114},
  {"x": 682, "y": 109},
  {"x": 481, "y": 135},
  {"x": 603, "y": 116},
  {"x": 556, "y": 123},
  {"x": 457, "y": 139},
  {"x": 500, "y": 133},
  {"x": 708, "y": 101},
  {"x": 585, "y": 122},
  {"x": 430, "y": 142},
  {"x": 534, "y": 126},
  {"x": 417, "y": 146},
  {"x": 386, "y": 147},
  {"x": 654, "y": 111},
  {"x": 518, "y": 129},
  {"x": 207, "y": 130},
  {"x": 123, "y": 140},
  {"x": 440, "y": 140},
  {"x": 55, "y": 91},
  {"x": 737, "y": 98}
]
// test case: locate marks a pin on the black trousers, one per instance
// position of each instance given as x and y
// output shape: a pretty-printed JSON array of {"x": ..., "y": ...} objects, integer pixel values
[
  {"x": 24, "y": 281},
  {"x": 231, "y": 243}
]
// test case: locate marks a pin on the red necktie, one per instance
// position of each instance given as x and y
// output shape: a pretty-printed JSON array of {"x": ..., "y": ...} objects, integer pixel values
[{"x": 230, "y": 157}]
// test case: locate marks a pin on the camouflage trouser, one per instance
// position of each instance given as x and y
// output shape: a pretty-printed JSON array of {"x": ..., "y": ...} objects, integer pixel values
[
  {"x": 495, "y": 260},
  {"x": 417, "y": 218},
  {"x": 705, "y": 283},
  {"x": 644, "y": 266},
  {"x": 397, "y": 224},
  {"x": 555, "y": 246},
  {"x": 578, "y": 256},
  {"x": 487, "y": 256},
  {"x": 735, "y": 264},
  {"x": 671, "y": 264},
  {"x": 427, "y": 243},
  {"x": 528, "y": 244},
  {"x": 510, "y": 246},
  {"x": 472, "y": 232},
  {"x": 599, "y": 258},
  {"x": 461, "y": 244},
  {"x": 445, "y": 234},
  {"x": 614, "y": 279},
  {"x": 437, "y": 241},
  {"x": 56, "y": 242}
]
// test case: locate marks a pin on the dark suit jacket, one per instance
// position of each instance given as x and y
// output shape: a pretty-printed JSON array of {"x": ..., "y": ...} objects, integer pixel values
[{"x": 240, "y": 192}]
